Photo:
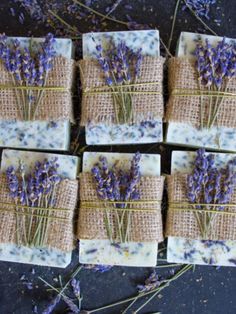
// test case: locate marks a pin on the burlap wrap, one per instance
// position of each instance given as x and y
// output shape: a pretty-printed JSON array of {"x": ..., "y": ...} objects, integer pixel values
[
  {"x": 184, "y": 76},
  {"x": 55, "y": 104},
  {"x": 60, "y": 232},
  {"x": 144, "y": 225},
  {"x": 184, "y": 224},
  {"x": 100, "y": 108}
]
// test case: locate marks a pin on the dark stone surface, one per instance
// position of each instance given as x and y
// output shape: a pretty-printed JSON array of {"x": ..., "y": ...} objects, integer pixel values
[{"x": 207, "y": 290}]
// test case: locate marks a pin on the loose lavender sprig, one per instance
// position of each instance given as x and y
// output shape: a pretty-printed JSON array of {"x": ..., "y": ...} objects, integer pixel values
[
  {"x": 117, "y": 185},
  {"x": 216, "y": 66},
  {"x": 121, "y": 66},
  {"x": 34, "y": 190},
  {"x": 152, "y": 282},
  {"x": 209, "y": 185},
  {"x": 27, "y": 69},
  {"x": 52, "y": 305},
  {"x": 200, "y": 7}
]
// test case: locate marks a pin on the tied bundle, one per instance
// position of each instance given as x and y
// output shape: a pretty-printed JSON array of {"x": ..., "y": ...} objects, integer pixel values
[
  {"x": 35, "y": 84},
  {"x": 120, "y": 205},
  {"x": 203, "y": 91},
  {"x": 121, "y": 86},
  {"x": 203, "y": 205},
  {"x": 37, "y": 208}
]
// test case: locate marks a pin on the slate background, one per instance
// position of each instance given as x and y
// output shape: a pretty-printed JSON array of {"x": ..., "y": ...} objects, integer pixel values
[{"x": 206, "y": 291}]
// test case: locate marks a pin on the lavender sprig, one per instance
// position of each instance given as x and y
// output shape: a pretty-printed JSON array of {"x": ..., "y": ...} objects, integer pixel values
[
  {"x": 152, "y": 282},
  {"x": 36, "y": 189},
  {"x": 209, "y": 185},
  {"x": 117, "y": 185},
  {"x": 27, "y": 69},
  {"x": 52, "y": 305},
  {"x": 216, "y": 66},
  {"x": 121, "y": 66},
  {"x": 200, "y": 7}
]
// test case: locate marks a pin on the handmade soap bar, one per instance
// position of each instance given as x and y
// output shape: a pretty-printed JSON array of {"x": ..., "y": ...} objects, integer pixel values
[
  {"x": 181, "y": 250},
  {"x": 45, "y": 256},
  {"x": 184, "y": 133},
  {"x": 149, "y": 131},
  {"x": 40, "y": 135},
  {"x": 130, "y": 253}
]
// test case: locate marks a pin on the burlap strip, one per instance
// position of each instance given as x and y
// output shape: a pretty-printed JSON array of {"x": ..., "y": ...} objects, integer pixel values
[
  {"x": 144, "y": 225},
  {"x": 99, "y": 108},
  {"x": 60, "y": 231},
  {"x": 184, "y": 224},
  {"x": 186, "y": 108},
  {"x": 55, "y": 104}
]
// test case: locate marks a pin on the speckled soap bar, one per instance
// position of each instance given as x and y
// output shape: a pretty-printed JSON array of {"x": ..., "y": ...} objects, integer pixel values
[
  {"x": 126, "y": 254},
  {"x": 40, "y": 135},
  {"x": 218, "y": 138},
  {"x": 41, "y": 256},
  {"x": 145, "y": 131},
  {"x": 180, "y": 250}
]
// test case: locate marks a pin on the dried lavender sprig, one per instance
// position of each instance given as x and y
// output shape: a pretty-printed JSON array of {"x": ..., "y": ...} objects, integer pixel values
[{"x": 52, "y": 305}]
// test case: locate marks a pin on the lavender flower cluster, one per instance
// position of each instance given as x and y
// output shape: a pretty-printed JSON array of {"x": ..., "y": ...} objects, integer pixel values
[
  {"x": 118, "y": 62},
  {"x": 217, "y": 64},
  {"x": 73, "y": 307},
  {"x": 36, "y": 189},
  {"x": 200, "y": 7},
  {"x": 27, "y": 69},
  {"x": 152, "y": 282},
  {"x": 210, "y": 185},
  {"x": 116, "y": 184}
]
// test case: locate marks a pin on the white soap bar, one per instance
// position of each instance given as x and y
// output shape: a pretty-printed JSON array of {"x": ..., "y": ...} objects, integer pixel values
[
  {"x": 40, "y": 256},
  {"x": 125, "y": 254},
  {"x": 40, "y": 135},
  {"x": 181, "y": 250},
  {"x": 217, "y": 138},
  {"x": 144, "y": 132}
]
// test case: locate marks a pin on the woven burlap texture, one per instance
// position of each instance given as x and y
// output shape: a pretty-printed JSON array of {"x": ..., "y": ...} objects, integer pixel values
[
  {"x": 145, "y": 226},
  {"x": 184, "y": 224},
  {"x": 99, "y": 108},
  {"x": 184, "y": 77},
  {"x": 60, "y": 233},
  {"x": 55, "y": 105}
]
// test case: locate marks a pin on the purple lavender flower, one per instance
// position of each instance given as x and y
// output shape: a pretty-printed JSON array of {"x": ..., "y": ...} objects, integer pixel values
[
  {"x": 52, "y": 305},
  {"x": 117, "y": 185},
  {"x": 98, "y": 268},
  {"x": 72, "y": 306},
  {"x": 152, "y": 282},
  {"x": 75, "y": 284},
  {"x": 209, "y": 185},
  {"x": 200, "y": 7}
]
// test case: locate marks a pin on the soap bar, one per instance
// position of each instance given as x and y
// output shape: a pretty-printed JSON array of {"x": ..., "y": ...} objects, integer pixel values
[
  {"x": 181, "y": 250},
  {"x": 125, "y": 254},
  {"x": 217, "y": 138},
  {"x": 39, "y": 135},
  {"x": 44, "y": 256},
  {"x": 145, "y": 131}
]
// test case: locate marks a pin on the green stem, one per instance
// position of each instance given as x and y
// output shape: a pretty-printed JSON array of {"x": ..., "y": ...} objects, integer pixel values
[
  {"x": 199, "y": 19},
  {"x": 166, "y": 284},
  {"x": 74, "y": 29},
  {"x": 100, "y": 14},
  {"x": 173, "y": 24}
]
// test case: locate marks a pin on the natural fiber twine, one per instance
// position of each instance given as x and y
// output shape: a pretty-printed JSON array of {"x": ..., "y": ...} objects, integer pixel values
[
  {"x": 99, "y": 108},
  {"x": 184, "y": 224},
  {"x": 60, "y": 232},
  {"x": 145, "y": 226},
  {"x": 55, "y": 105},
  {"x": 184, "y": 77}
]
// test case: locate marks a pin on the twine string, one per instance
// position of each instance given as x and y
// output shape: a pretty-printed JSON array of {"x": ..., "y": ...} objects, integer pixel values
[
  {"x": 199, "y": 92},
  {"x": 122, "y": 88},
  {"x": 35, "y": 88}
]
